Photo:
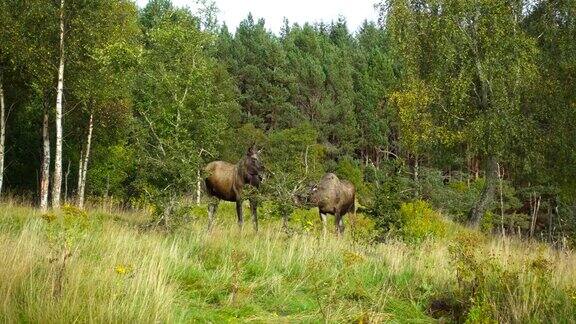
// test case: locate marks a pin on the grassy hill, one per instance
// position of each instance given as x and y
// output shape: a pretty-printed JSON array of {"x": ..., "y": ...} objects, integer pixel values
[{"x": 101, "y": 266}]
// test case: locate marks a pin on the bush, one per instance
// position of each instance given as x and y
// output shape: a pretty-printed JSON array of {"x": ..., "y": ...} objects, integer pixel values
[
  {"x": 306, "y": 219},
  {"x": 458, "y": 195},
  {"x": 392, "y": 189},
  {"x": 488, "y": 222},
  {"x": 489, "y": 290},
  {"x": 455, "y": 197},
  {"x": 420, "y": 221},
  {"x": 282, "y": 209},
  {"x": 349, "y": 169},
  {"x": 362, "y": 229}
]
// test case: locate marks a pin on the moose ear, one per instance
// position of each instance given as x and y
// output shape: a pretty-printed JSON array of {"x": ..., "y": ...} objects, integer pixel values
[{"x": 252, "y": 149}]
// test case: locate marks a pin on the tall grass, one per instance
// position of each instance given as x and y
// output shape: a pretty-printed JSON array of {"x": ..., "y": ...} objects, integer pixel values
[{"x": 117, "y": 272}]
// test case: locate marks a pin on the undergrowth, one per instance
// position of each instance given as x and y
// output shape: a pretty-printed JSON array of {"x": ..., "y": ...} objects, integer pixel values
[{"x": 99, "y": 267}]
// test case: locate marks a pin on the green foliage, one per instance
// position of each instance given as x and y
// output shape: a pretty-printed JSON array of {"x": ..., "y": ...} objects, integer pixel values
[
  {"x": 351, "y": 170},
  {"x": 419, "y": 221},
  {"x": 234, "y": 275},
  {"x": 486, "y": 289},
  {"x": 296, "y": 151},
  {"x": 180, "y": 109},
  {"x": 306, "y": 220},
  {"x": 64, "y": 231},
  {"x": 362, "y": 228},
  {"x": 293, "y": 160},
  {"x": 111, "y": 175},
  {"x": 456, "y": 197},
  {"x": 489, "y": 222},
  {"x": 448, "y": 84},
  {"x": 373, "y": 79},
  {"x": 258, "y": 62},
  {"x": 237, "y": 140},
  {"x": 392, "y": 188}
]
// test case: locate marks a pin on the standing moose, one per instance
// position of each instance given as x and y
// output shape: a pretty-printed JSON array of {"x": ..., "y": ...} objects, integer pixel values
[
  {"x": 333, "y": 196},
  {"x": 226, "y": 181}
]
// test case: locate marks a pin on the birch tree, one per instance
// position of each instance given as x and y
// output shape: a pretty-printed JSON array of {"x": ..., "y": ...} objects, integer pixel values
[
  {"x": 476, "y": 79},
  {"x": 57, "y": 179},
  {"x": 28, "y": 30},
  {"x": 179, "y": 107},
  {"x": 2, "y": 131},
  {"x": 84, "y": 164},
  {"x": 45, "y": 166},
  {"x": 101, "y": 56}
]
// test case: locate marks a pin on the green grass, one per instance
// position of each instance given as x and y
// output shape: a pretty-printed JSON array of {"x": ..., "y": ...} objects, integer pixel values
[{"x": 117, "y": 272}]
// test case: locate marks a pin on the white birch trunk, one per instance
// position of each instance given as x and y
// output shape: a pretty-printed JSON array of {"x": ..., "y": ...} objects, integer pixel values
[
  {"x": 45, "y": 176},
  {"x": 416, "y": 175},
  {"x": 535, "y": 210},
  {"x": 80, "y": 168},
  {"x": 198, "y": 187},
  {"x": 57, "y": 183},
  {"x": 84, "y": 164},
  {"x": 66, "y": 183},
  {"x": 2, "y": 133},
  {"x": 500, "y": 176}
]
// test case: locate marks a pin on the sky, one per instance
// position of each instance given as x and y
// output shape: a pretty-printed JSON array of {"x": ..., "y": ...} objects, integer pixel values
[{"x": 297, "y": 11}]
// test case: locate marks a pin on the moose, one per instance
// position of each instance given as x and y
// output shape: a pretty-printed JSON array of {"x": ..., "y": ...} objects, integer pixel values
[
  {"x": 226, "y": 181},
  {"x": 332, "y": 196}
]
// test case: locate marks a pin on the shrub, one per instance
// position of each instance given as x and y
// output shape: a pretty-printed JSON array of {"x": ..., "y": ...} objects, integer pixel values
[
  {"x": 488, "y": 222},
  {"x": 392, "y": 189},
  {"x": 282, "y": 209},
  {"x": 493, "y": 289},
  {"x": 349, "y": 169},
  {"x": 420, "y": 221},
  {"x": 456, "y": 195},
  {"x": 362, "y": 229},
  {"x": 306, "y": 220},
  {"x": 71, "y": 211},
  {"x": 67, "y": 228}
]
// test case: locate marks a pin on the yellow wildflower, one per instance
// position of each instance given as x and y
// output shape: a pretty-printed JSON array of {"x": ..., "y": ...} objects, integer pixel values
[{"x": 122, "y": 269}]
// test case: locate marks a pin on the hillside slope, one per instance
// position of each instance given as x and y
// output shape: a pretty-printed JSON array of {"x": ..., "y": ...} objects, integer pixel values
[{"x": 101, "y": 267}]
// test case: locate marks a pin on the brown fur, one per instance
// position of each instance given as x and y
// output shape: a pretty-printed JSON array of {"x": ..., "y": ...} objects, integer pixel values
[
  {"x": 223, "y": 181},
  {"x": 334, "y": 196},
  {"x": 226, "y": 181}
]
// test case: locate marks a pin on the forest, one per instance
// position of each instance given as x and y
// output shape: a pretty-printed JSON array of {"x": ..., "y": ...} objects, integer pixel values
[
  {"x": 455, "y": 120},
  {"x": 468, "y": 105}
]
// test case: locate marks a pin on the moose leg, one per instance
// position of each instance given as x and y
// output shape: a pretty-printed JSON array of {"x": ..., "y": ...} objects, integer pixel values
[
  {"x": 212, "y": 208},
  {"x": 239, "y": 213},
  {"x": 254, "y": 209},
  {"x": 338, "y": 219},
  {"x": 324, "y": 223}
]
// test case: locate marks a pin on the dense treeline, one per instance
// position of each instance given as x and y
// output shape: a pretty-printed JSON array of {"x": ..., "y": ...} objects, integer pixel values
[{"x": 470, "y": 105}]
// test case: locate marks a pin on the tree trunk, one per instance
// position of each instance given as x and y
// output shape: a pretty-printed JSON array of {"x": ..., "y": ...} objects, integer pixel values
[
  {"x": 550, "y": 221},
  {"x": 84, "y": 165},
  {"x": 2, "y": 133},
  {"x": 66, "y": 183},
  {"x": 80, "y": 169},
  {"x": 198, "y": 187},
  {"x": 500, "y": 176},
  {"x": 57, "y": 181},
  {"x": 416, "y": 177},
  {"x": 535, "y": 211},
  {"x": 45, "y": 176},
  {"x": 487, "y": 195},
  {"x": 107, "y": 186}
]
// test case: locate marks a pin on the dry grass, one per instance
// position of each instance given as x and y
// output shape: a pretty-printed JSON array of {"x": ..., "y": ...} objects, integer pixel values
[{"x": 118, "y": 273}]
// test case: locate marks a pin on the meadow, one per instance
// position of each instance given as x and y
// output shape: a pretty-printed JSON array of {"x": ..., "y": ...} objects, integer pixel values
[{"x": 104, "y": 266}]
